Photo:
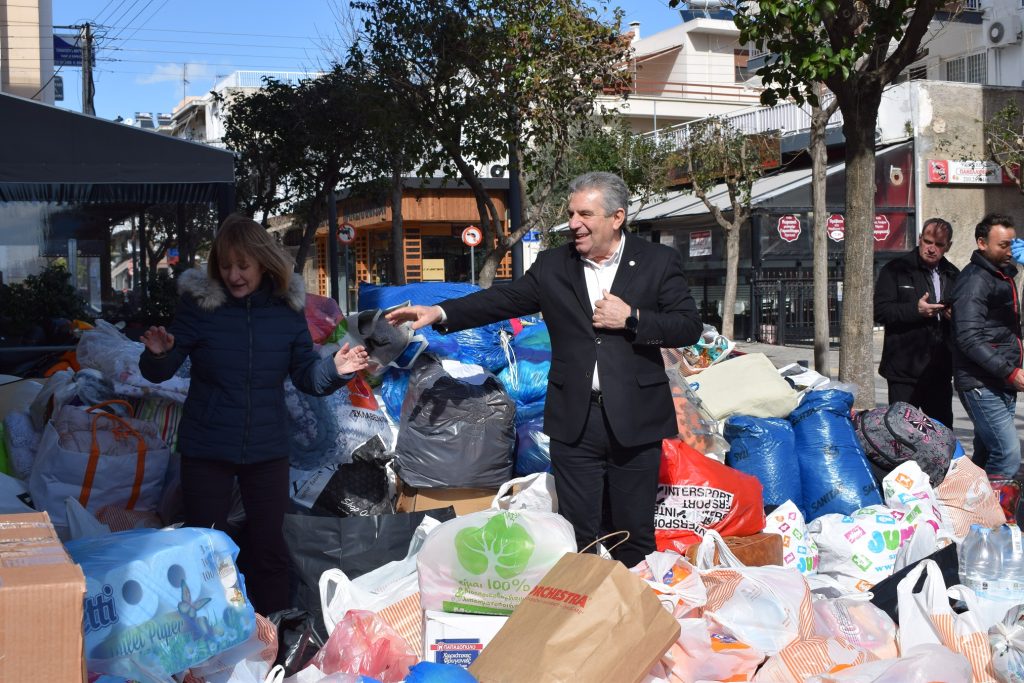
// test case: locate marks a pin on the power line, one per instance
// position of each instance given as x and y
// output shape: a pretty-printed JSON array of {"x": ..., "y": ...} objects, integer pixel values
[
  {"x": 125, "y": 13},
  {"x": 193, "y": 52},
  {"x": 135, "y": 18},
  {"x": 109, "y": 3},
  {"x": 173, "y": 30},
  {"x": 155, "y": 12}
]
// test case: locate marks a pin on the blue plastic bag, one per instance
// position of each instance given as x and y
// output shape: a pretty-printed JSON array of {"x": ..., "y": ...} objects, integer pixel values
[
  {"x": 527, "y": 380},
  {"x": 533, "y": 452},
  {"x": 432, "y": 672},
  {"x": 834, "y": 474},
  {"x": 392, "y": 391},
  {"x": 764, "y": 447},
  {"x": 480, "y": 345}
]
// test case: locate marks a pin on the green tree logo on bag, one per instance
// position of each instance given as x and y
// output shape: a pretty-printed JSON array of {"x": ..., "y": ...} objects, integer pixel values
[{"x": 501, "y": 540}]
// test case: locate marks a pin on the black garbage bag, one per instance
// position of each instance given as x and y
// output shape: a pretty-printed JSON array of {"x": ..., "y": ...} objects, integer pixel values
[
  {"x": 297, "y": 639},
  {"x": 455, "y": 432},
  {"x": 356, "y": 545},
  {"x": 358, "y": 488}
]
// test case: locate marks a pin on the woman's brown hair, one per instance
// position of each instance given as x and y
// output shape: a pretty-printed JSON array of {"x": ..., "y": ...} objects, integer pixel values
[{"x": 245, "y": 236}]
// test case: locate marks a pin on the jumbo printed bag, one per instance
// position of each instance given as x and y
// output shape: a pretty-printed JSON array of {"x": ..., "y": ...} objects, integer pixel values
[
  {"x": 799, "y": 550},
  {"x": 696, "y": 493},
  {"x": 860, "y": 549}
]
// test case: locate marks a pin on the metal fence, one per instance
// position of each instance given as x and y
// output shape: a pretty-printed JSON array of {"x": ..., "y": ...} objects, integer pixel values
[{"x": 783, "y": 307}]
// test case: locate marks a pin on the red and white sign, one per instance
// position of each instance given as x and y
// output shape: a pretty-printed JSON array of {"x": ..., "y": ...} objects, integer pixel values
[
  {"x": 347, "y": 233},
  {"x": 472, "y": 236},
  {"x": 700, "y": 243},
  {"x": 882, "y": 227},
  {"x": 835, "y": 227},
  {"x": 789, "y": 228},
  {"x": 970, "y": 172}
]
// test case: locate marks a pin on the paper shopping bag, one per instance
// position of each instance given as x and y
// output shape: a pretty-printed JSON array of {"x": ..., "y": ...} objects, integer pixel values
[{"x": 588, "y": 619}]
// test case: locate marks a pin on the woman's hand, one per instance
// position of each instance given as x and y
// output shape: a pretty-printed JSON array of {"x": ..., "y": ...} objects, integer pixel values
[
  {"x": 348, "y": 360},
  {"x": 158, "y": 340}
]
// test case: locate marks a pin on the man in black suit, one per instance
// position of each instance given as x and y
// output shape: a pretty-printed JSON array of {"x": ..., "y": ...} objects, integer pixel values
[{"x": 610, "y": 302}]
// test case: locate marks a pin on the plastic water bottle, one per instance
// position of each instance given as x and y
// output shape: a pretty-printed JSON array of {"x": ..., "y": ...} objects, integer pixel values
[
  {"x": 982, "y": 561},
  {"x": 1011, "y": 584},
  {"x": 966, "y": 552}
]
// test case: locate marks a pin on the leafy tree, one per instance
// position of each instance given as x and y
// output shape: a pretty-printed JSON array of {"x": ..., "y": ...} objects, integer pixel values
[
  {"x": 856, "y": 49},
  {"x": 294, "y": 145},
  {"x": 592, "y": 146},
  {"x": 714, "y": 151},
  {"x": 490, "y": 79},
  {"x": 267, "y": 138},
  {"x": 1004, "y": 138}
]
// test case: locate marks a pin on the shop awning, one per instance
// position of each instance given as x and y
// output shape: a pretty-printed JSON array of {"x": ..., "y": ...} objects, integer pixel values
[
  {"x": 51, "y": 154},
  {"x": 783, "y": 190}
]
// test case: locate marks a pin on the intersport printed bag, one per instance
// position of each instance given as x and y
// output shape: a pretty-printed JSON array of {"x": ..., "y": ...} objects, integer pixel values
[
  {"x": 697, "y": 494},
  {"x": 892, "y": 436}
]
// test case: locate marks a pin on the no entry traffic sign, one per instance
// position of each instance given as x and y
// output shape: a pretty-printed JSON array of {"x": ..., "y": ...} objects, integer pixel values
[{"x": 472, "y": 236}]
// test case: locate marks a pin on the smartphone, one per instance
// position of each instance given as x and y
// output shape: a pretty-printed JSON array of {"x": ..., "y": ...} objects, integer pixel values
[{"x": 946, "y": 303}]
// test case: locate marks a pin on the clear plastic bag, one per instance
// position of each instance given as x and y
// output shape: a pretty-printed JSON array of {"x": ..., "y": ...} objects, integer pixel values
[{"x": 696, "y": 426}]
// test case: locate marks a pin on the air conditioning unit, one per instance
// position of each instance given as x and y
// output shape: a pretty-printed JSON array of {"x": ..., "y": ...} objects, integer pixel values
[{"x": 1003, "y": 30}]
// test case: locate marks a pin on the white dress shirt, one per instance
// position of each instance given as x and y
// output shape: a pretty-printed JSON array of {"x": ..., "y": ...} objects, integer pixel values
[{"x": 599, "y": 277}]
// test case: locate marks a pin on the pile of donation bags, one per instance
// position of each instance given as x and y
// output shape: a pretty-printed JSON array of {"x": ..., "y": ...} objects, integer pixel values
[{"x": 792, "y": 542}]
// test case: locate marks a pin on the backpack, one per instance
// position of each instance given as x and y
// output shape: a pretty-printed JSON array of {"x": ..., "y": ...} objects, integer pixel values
[{"x": 901, "y": 432}]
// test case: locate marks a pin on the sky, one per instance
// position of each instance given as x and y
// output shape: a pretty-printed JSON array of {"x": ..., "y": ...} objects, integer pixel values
[{"x": 150, "y": 53}]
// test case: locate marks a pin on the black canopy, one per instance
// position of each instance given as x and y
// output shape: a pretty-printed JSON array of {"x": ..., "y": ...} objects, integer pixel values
[{"x": 50, "y": 154}]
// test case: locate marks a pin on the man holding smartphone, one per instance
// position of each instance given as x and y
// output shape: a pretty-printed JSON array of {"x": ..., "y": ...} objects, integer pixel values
[{"x": 911, "y": 301}]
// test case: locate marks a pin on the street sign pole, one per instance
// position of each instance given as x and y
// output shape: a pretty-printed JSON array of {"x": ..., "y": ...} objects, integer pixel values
[{"x": 472, "y": 265}]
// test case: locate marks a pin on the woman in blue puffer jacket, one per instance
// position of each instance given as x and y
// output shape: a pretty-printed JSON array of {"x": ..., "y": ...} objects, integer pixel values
[{"x": 242, "y": 324}]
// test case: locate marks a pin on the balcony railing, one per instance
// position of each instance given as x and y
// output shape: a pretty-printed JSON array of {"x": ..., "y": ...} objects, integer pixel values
[
  {"x": 671, "y": 90},
  {"x": 786, "y": 119},
  {"x": 254, "y": 79}
]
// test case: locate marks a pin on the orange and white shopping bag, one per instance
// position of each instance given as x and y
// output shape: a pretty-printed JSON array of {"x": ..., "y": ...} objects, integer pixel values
[
  {"x": 766, "y": 607},
  {"x": 927, "y": 618}
]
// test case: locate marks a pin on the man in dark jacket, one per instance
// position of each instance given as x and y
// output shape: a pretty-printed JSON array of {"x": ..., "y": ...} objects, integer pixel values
[
  {"x": 987, "y": 355},
  {"x": 909, "y": 302},
  {"x": 611, "y": 302}
]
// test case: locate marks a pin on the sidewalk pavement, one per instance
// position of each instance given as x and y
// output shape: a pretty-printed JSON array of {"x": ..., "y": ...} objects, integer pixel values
[{"x": 784, "y": 355}]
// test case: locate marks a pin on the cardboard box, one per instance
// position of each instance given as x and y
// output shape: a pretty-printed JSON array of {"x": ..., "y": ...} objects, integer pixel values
[
  {"x": 457, "y": 638},
  {"x": 758, "y": 550},
  {"x": 41, "y": 592},
  {"x": 464, "y": 501}
]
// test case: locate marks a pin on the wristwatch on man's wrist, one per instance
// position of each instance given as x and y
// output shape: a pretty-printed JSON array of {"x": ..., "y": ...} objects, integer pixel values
[{"x": 633, "y": 320}]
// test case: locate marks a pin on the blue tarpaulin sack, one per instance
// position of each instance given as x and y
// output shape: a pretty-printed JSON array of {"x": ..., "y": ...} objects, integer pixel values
[
  {"x": 765, "y": 448},
  {"x": 479, "y": 345},
  {"x": 432, "y": 672},
  {"x": 834, "y": 474},
  {"x": 526, "y": 380}
]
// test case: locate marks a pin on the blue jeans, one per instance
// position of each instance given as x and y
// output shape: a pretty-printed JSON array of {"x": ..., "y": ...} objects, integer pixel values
[{"x": 996, "y": 445}]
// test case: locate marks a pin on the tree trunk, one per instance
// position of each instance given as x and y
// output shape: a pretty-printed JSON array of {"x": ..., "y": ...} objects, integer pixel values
[
  {"x": 397, "y": 227},
  {"x": 732, "y": 264},
  {"x": 819, "y": 238},
  {"x": 856, "y": 356},
  {"x": 316, "y": 208}
]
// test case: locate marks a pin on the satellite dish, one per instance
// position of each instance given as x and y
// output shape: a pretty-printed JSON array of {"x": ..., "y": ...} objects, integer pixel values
[{"x": 497, "y": 171}]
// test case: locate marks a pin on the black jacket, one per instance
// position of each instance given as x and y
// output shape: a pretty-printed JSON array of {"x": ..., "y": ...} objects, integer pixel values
[
  {"x": 637, "y": 397},
  {"x": 913, "y": 346},
  {"x": 986, "y": 325},
  {"x": 241, "y": 350}
]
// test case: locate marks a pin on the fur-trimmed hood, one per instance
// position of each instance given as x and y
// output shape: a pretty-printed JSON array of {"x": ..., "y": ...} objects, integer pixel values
[{"x": 211, "y": 295}]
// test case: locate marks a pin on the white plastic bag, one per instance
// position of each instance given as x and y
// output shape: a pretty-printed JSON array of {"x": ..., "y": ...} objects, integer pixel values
[
  {"x": 766, "y": 607},
  {"x": 925, "y": 664},
  {"x": 374, "y": 590},
  {"x": 535, "y": 492},
  {"x": 488, "y": 561},
  {"x": 927, "y": 619},
  {"x": 1007, "y": 641},
  {"x": 858, "y": 622},
  {"x": 675, "y": 581}
]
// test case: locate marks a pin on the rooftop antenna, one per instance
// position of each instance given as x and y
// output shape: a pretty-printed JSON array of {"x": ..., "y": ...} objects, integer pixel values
[{"x": 184, "y": 81}]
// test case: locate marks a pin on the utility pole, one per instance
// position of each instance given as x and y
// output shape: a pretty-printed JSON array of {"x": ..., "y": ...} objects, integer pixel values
[
  {"x": 184, "y": 81},
  {"x": 87, "y": 60}
]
